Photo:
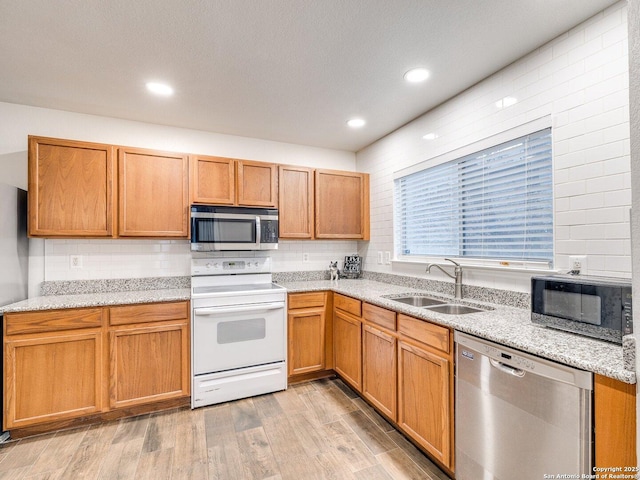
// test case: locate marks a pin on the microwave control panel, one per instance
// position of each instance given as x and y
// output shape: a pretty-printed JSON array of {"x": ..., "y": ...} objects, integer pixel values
[{"x": 627, "y": 312}]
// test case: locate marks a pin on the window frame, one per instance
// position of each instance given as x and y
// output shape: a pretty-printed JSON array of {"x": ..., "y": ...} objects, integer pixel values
[{"x": 458, "y": 154}]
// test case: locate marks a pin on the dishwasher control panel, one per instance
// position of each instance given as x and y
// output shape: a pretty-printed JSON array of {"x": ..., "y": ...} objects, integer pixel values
[{"x": 516, "y": 362}]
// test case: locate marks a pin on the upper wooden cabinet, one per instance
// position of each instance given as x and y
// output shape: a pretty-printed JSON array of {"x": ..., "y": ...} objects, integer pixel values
[
  {"x": 296, "y": 210},
  {"x": 229, "y": 181},
  {"x": 213, "y": 180},
  {"x": 342, "y": 205},
  {"x": 70, "y": 188},
  {"x": 331, "y": 204},
  {"x": 72, "y": 191},
  {"x": 153, "y": 190},
  {"x": 257, "y": 184}
]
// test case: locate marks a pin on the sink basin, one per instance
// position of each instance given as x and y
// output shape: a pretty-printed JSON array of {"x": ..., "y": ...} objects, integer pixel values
[
  {"x": 418, "y": 301},
  {"x": 454, "y": 309}
]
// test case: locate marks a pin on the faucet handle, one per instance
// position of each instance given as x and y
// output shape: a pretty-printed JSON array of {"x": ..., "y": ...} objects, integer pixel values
[{"x": 452, "y": 261}]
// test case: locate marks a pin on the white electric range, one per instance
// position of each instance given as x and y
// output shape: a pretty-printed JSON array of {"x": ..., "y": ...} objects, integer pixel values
[{"x": 238, "y": 330}]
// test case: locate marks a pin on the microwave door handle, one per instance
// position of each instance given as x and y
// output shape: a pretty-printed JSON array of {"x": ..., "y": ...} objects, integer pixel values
[{"x": 258, "y": 232}]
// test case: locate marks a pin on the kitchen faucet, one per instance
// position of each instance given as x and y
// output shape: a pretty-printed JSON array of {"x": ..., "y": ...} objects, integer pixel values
[{"x": 457, "y": 275}]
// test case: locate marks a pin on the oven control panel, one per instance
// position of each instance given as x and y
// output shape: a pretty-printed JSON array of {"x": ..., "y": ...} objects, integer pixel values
[{"x": 230, "y": 266}]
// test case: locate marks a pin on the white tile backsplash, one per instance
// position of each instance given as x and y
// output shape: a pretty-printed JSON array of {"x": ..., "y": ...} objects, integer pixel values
[
  {"x": 580, "y": 80},
  {"x": 107, "y": 259}
]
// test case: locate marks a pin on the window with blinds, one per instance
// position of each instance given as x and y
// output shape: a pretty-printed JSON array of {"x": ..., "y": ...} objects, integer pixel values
[{"x": 492, "y": 204}]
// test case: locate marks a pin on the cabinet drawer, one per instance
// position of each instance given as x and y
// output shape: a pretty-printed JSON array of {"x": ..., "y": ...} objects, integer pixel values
[
  {"x": 348, "y": 304},
  {"x": 52, "y": 320},
  {"x": 153, "y": 312},
  {"x": 380, "y": 316},
  {"x": 433, "y": 335},
  {"x": 306, "y": 300}
]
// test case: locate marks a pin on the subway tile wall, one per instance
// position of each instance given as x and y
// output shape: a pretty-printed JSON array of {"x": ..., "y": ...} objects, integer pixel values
[
  {"x": 580, "y": 80},
  {"x": 106, "y": 259}
]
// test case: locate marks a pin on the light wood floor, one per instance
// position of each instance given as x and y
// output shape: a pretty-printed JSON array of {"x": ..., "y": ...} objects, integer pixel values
[{"x": 314, "y": 430}]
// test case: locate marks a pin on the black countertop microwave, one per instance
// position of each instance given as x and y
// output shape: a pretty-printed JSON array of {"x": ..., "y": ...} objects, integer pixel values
[{"x": 598, "y": 307}]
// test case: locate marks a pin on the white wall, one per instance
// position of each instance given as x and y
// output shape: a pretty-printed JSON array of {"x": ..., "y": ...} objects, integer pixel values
[
  {"x": 146, "y": 258},
  {"x": 634, "y": 99},
  {"x": 580, "y": 79}
]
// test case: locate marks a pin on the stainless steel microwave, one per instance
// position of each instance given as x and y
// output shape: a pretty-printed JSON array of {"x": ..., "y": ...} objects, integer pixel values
[
  {"x": 215, "y": 228},
  {"x": 598, "y": 307}
]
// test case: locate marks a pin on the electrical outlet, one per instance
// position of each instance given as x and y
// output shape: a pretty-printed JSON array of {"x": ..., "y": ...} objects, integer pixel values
[
  {"x": 379, "y": 258},
  {"x": 578, "y": 264},
  {"x": 75, "y": 261},
  {"x": 305, "y": 258},
  {"x": 387, "y": 258}
]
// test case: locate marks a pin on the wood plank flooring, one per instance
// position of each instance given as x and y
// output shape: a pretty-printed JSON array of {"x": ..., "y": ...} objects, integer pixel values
[{"x": 314, "y": 430}]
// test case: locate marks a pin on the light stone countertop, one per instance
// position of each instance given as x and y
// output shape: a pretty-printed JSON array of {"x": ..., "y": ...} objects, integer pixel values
[
  {"x": 505, "y": 325},
  {"x": 53, "y": 302}
]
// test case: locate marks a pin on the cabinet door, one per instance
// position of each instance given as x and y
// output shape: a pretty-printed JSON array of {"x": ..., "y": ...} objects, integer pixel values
[
  {"x": 379, "y": 369},
  {"x": 423, "y": 399},
  {"x": 614, "y": 422},
  {"x": 347, "y": 348},
  {"x": 295, "y": 190},
  {"x": 342, "y": 204},
  {"x": 306, "y": 340},
  {"x": 52, "y": 377},
  {"x": 149, "y": 363},
  {"x": 153, "y": 193},
  {"x": 257, "y": 184},
  {"x": 213, "y": 180},
  {"x": 70, "y": 188}
]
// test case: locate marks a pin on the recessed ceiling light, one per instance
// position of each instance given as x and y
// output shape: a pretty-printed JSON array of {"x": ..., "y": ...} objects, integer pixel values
[
  {"x": 356, "y": 123},
  {"x": 430, "y": 136},
  {"x": 416, "y": 75},
  {"x": 160, "y": 88},
  {"x": 506, "y": 102}
]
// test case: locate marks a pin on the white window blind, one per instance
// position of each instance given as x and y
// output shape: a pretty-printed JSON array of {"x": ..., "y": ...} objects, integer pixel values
[{"x": 493, "y": 204}]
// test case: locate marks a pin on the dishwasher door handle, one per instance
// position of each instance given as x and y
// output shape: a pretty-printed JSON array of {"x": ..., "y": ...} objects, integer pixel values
[{"x": 516, "y": 372}]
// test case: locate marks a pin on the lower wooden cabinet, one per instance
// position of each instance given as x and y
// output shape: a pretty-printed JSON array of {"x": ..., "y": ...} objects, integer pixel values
[
  {"x": 424, "y": 399},
  {"x": 307, "y": 333},
  {"x": 53, "y": 365},
  {"x": 53, "y": 376},
  {"x": 347, "y": 347},
  {"x": 379, "y": 369},
  {"x": 66, "y": 364},
  {"x": 148, "y": 364},
  {"x": 149, "y": 353},
  {"x": 614, "y": 423}
]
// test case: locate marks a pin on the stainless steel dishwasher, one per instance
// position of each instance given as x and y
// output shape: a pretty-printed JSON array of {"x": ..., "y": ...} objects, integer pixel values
[{"x": 519, "y": 416}]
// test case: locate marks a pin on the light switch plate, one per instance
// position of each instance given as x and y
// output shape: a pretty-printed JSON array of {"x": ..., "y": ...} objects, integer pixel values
[
  {"x": 387, "y": 258},
  {"x": 379, "y": 258}
]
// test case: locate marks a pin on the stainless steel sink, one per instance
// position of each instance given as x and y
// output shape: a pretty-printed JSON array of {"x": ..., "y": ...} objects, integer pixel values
[
  {"x": 454, "y": 309},
  {"x": 418, "y": 301}
]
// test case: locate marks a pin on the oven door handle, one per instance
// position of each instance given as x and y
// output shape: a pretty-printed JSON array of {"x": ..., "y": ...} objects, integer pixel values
[{"x": 250, "y": 308}]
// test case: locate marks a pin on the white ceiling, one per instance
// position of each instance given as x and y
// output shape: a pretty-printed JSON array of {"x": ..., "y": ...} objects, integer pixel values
[{"x": 284, "y": 70}]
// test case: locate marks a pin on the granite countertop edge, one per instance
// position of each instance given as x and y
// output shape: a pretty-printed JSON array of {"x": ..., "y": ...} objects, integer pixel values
[
  {"x": 508, "y": 326},
  {"x": 55, "y": 302}
]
